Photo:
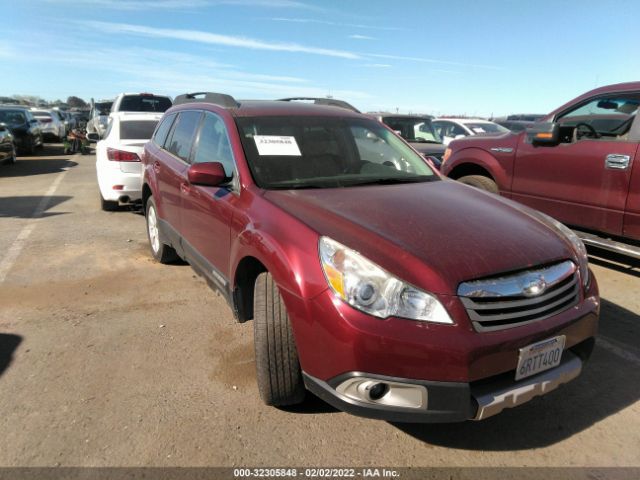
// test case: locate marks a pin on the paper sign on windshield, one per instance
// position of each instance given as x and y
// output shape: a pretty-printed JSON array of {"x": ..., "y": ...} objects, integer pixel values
[
  {"x": 276, "y": 145},
  {"x": 478, "y": 129}
]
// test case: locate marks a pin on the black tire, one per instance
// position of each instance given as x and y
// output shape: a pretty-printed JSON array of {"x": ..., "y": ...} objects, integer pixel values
[
  {"x": 481, "y": 182},
  {"x": 108, "y": 205},
  {"x": 13, "y": 158},
  {"x": 31, "y": 148},
  {"x": 162, "y": 252},
  {"x": 277, "y": 366}
]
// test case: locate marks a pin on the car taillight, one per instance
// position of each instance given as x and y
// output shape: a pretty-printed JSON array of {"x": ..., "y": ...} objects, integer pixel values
[
  {"x": 121, "y": 156},
  {"x": 44, "y": 120}
]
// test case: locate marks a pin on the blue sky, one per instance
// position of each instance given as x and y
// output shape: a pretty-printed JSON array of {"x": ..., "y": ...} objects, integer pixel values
[{"x": 439, "y": 57}]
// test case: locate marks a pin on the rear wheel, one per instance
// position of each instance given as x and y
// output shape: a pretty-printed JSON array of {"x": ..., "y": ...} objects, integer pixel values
[
  {"x": 160, "y": 251},
  {"x": 481, "y": 182},
  {"x": 30, "y": 149},
  {"x": 277, "y": 366},
  {"x": 13, "y": 158}
]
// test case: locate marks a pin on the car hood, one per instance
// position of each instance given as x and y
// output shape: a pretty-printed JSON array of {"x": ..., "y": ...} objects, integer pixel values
[
  {"x": 435, "y": 235},
  {"x": 486, "y": 142}
]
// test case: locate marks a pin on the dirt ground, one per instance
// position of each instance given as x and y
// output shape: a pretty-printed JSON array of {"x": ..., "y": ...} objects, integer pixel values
[{"x": 111, "y": 359}]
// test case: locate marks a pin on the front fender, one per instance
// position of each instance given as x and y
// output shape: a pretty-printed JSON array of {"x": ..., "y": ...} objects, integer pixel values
[
  {"x": 498, "y": 166},
  {"x": 295, "y": 266}
]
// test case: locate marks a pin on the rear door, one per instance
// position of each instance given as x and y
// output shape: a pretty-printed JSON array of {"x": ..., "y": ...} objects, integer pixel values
[
  {"x": 207, "y": 211},
  {"x": 171, "y": 171},
  {"x": 585, "y": 180}
]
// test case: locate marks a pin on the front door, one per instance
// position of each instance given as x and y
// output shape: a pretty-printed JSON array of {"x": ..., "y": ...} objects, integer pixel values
[
  {"x": 207, "y": 211},
  {"x": 583, "y": 181}
]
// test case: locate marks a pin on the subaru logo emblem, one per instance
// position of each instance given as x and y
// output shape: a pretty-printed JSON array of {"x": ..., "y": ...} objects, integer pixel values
[{"x": 534, "y": 287}]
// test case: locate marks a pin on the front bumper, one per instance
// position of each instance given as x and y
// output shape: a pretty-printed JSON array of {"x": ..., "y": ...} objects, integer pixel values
[
  {"x": 467, "y": 374},
  {"x": 454, "y": 401}
]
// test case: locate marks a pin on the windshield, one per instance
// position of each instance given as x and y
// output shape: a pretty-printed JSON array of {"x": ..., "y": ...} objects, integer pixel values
[
  {"x": 479, "y": 128},
  {"x": 103, "y": 108},
  {"x": 39, "y": 114},
  {"x": 413, "y": 129},
  {"x": 12, "y": 117},
  {"x": 327, "y": 152},
  {"x": 144, "y": 103}
]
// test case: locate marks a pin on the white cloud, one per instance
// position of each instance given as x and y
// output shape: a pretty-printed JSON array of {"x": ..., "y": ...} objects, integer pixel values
[
  {"x": 376, "y": 65},
  {"x": 361, "y": 37},
  {"x": 334, "y": 24},
  {"x": 430, "y": 60},
  {"x": 214, "y": 39}
]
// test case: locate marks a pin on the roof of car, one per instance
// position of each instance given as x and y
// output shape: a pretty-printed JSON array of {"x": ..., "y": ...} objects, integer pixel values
[{"x": 265, "y": 108}]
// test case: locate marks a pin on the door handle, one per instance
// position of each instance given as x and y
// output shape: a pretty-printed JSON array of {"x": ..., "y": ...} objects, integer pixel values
[
  {"x": 156, "y": 166},
  {"x": 615, "y": 161},
  {"x": 184, "y": 188}
]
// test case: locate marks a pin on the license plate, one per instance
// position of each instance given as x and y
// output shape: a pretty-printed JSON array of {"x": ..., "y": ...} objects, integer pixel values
[{"x": 541, "y": 356}]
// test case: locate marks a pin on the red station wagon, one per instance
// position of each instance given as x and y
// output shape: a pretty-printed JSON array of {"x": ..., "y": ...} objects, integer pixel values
[{"x": 384, "y": 289}]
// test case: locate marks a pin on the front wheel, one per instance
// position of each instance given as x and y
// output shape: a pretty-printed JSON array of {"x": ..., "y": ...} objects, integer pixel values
[
  {"x": 160, "y": 251},
  {"x": 277, "y": 366},
  {"x": 481, "y": 182}
]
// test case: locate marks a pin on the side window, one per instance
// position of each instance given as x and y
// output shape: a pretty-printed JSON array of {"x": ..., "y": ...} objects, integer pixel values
[
  {"x": 183, "y": 133},
  {"x": 213, "y": 143},
  {"x": 457, "y": 130},
  {"x": 163, "y": 129},
  {"x": 442, "y": 128},
  {"x": 607, "y": 116}
]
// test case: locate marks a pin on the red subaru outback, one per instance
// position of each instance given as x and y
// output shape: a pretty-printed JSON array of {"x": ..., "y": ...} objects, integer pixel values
[{"x": 373, "y": 282}]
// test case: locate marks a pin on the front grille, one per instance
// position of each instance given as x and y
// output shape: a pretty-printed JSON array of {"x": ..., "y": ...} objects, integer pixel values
[{"x": 521, "y": 298}]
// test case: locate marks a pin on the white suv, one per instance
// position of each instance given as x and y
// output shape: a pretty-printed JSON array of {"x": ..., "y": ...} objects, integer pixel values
[
  {"x": 118, "y": 157},
  {"x": 141, "y": 102}
]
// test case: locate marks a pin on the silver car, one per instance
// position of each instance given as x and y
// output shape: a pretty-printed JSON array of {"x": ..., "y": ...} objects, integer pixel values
[{"x": 51, "y": 124}]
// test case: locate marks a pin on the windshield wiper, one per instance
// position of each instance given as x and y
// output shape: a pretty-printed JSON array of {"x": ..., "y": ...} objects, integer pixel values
[{"x": 394, "y": 180}]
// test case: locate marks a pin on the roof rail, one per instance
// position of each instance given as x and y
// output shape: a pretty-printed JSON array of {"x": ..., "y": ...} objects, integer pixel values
[
  {"x": 221, "y": 99},
  {"x": 332, "y": 102}
]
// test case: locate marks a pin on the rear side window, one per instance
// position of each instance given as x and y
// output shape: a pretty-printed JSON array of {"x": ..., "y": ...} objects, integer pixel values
[
  {"x": 182, "y": 136},
  {"x": 137, "y": 129},
  {"x": 144, "y": 103},
  {"x": 213, "y": 144},
  {"x": 163, "y": 129}
]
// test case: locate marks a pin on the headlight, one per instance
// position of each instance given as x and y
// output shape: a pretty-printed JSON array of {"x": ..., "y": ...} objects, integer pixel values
[
  {"x": 367, "y": 287},
  {"x": 577, "y": 244}
]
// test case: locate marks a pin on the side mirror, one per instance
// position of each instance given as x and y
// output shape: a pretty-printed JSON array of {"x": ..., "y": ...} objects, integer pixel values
[
  {"x": 93, "y": 137},
  {"x": 544, "y": 134},
  {"x": 208, "y": 174}
]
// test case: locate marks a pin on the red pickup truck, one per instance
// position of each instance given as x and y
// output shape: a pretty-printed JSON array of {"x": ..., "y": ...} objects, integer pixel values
[{"x": 576, "y": 165}]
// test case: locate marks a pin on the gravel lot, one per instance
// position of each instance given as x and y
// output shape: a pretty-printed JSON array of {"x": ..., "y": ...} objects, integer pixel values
[{"x": 110, "y": 359}]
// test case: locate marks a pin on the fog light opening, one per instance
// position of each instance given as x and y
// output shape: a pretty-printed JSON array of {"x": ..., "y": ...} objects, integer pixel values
[{"x": 377, "y": 391}]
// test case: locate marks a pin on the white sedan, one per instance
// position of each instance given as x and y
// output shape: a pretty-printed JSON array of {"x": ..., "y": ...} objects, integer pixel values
[
  {"x": 452, "y": 128},
  {"x": 118, "y": 155}
]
